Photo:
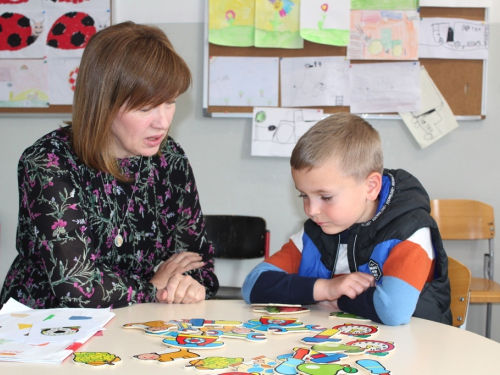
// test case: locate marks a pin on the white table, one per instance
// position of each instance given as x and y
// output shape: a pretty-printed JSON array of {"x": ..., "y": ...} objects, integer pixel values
[{"x": 422, "y": 347}]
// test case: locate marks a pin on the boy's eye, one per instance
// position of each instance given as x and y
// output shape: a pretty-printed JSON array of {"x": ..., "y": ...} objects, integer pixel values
[
  {"x": 302, "y": 196},
  {"x": 326, "y": 198}
]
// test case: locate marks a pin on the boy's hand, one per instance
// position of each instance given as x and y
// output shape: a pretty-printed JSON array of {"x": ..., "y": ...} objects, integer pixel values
[{"x": 351, "y": 285}]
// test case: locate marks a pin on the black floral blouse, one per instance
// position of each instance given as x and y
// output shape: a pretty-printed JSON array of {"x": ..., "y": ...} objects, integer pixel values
[{"x": 70, "y": 214}]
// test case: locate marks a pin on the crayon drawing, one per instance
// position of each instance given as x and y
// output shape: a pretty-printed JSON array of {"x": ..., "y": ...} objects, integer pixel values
[
  {"x": 385, "y": 4},
  {"x": 383, "y": 35},
  {"x": 22, "y": 34},
  {"x": 326, "y": 22},
  {"x": 62, "y": 79},
  {"x": 231, "y": 22},
  {"x": 277, "y": 24}
]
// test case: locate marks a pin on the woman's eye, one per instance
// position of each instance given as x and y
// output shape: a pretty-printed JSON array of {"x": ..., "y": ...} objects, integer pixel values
[{"x": 145, "y": 109}]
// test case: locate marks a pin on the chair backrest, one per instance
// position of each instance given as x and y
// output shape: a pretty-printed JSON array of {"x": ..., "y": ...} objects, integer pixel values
[
  {"x": 460, "y": 279},
  {"x": 238, "y": 237},
  {"x": 462, "y": 219}
]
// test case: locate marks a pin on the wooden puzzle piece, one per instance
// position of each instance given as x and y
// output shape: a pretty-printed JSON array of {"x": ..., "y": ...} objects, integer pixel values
[
  {"x": 235, "y": 332},
  {"x": 336, "y": 347},
  {"x": 324, "y": 336},
  {"x": 95, "y": 358},
  {"x": 374, "y": 347},
  {"x": 315, "y": 356},
  {"x": 169, "y": 355},
  {"x": 266, "y": 322},
  {"x": 153, "y": 326},
  {"x": 280, "y": 310},
  {"x": 325, "y": 369},
  {"x": 257, "y": 365},
  {"x": 289, "y": 365},
  {"x": 373, "y": 366},
  {"x": 358, "y": 330},
  {"x": 203, "y": 322},
  {"x": 344, "y": 315},
  {"x": 188, "y": 341},
  {"x": 283, "y": 330},
  {"x": 213, "y": 363}
]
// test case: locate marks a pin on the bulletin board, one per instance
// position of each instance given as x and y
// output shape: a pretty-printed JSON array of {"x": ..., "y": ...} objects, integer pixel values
[
  {"x": 99, "y": 23},
  {"x": 461, "y": 82}
]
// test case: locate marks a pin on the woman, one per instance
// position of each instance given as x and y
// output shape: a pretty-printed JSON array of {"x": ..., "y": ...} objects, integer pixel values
[{"x": 109, "y": 212}]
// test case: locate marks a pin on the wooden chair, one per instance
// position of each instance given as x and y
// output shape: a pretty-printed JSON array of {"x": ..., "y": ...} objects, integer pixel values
[
  {"x": 237, "y": 238},
  {"x": 460, "y": 279},
  {"x": 461, "y": 219}
]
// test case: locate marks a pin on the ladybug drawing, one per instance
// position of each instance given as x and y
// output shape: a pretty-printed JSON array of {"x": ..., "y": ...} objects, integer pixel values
[
  {"x": 71, "y": 31},
  {"x": 17, "y": 31},
  {"x": 67, "y": 1}
]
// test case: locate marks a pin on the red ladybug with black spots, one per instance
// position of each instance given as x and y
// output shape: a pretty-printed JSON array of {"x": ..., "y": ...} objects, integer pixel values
[
  {"x": 16, "y": 31},
  {"x": 71, "y": 31}
]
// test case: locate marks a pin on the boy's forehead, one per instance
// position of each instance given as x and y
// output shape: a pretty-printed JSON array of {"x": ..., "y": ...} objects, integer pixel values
[{"x": 321, "y": 178}]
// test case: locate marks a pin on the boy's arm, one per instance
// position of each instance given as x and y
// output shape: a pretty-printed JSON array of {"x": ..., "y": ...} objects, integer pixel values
[
  {"x": 408, "y": 267},
  {"x": 276, "y": 281}
]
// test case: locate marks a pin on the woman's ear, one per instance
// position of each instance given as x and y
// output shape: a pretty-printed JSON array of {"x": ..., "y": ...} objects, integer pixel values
[{"x": 373, "y": 185}]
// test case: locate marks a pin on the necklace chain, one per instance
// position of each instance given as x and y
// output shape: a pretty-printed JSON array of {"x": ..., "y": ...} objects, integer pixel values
[{"x": 118, "y": 240}]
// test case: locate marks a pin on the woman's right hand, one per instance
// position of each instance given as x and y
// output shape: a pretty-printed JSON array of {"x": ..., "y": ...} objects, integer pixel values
[{"x": 177, "y": 264}]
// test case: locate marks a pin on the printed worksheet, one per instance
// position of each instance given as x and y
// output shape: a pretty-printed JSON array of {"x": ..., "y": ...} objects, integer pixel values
[
  {"x": 315, "y": 81},
  {"x": 385, "y": 87}
]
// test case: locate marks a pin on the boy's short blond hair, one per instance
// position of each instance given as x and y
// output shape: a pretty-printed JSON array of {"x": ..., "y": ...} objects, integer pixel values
[{"x": 345, "y": 139}]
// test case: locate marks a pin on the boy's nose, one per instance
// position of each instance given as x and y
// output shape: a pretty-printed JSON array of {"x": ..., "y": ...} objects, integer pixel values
[{"x": 312, "y": 209}]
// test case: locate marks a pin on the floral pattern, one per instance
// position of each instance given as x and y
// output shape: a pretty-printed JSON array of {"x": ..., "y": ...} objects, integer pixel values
[{"x": 70, "y": 214}]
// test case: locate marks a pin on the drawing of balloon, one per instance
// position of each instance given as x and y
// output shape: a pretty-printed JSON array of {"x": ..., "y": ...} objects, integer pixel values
[{"x": 230, "y": 16}]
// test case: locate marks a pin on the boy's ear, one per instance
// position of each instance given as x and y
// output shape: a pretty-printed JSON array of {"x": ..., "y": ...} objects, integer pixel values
[{"x": 373, "y": 184}]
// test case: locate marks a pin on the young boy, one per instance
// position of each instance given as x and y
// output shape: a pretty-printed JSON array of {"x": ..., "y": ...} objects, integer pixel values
[{"x": 370, "y": 246}]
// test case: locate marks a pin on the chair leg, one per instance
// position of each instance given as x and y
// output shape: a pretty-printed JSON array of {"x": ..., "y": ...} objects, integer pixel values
[{"x": 488, "y": 319}]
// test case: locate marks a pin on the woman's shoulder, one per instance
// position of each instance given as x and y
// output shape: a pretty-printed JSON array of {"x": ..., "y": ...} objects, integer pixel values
[
  {"x": 53, "y": 145},
  {"x": 172, "y": 147}
]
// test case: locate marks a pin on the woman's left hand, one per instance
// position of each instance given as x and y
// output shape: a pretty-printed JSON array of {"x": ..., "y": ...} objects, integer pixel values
[{"x": 181, "y": 289}]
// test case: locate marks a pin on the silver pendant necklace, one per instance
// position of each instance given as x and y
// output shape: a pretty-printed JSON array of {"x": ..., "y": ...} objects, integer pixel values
[{"x": 118, "y": 240}]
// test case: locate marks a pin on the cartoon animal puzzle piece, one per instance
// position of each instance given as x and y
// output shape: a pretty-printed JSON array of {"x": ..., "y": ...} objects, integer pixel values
[
  {"x": 257, "y": 365},
  {"x": 344, "y": 315},
  {"x": 325, "y": 369},
  {"x": 266, "y": 322},
  {"x": 315, "y": 356},
  {"x": 167, "y": 356},
  {"x": 235, "y": 332},
  {"x": 358, "y": 330},
  {"x": 307, "y": 328},
  {"x": 153, "y": 326},
  {"x": 374, "y": 347},
  {"x": 324, "y": 336},
  {"x": 280, "y": 310},
  {"x": 290, "y": 363},
  {"x": 95, "y": 358},
  {"x": 213, "y": 363},
  {"x": 373, "y": 366},
  {"x": 335, "y": 347},
  {"x": 187, "y": 341}
]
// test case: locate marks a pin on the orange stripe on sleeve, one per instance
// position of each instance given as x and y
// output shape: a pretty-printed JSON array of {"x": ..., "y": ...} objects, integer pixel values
[
  {"x": 408, "y": 261},
  {"x": 288, "y": 258}
]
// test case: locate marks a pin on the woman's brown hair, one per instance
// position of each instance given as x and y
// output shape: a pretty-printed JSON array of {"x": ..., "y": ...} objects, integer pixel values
[{"x": 124, "y": 64}]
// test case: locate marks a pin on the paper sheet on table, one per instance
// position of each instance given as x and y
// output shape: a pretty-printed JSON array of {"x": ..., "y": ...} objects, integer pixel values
[
  {"x": 385, "y": 87},
  {"x": 453, "y": 38},
  {"x": 384, "y": 35},
  {"x": 385, "y": 4},
  {"x": 243, "y": 81},
  {"x": 231, "y": 22},
  {"x": 435, "y": 118},
  {"x": 326, "y": 21},
  {"x": 457, "y": 3},
  {"x": 314, "y": 81},
  {"x": 275, "y": 131}
]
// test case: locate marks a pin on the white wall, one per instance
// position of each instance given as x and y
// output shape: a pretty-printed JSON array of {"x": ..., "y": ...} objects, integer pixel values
[{"x": 230, "y": 181}]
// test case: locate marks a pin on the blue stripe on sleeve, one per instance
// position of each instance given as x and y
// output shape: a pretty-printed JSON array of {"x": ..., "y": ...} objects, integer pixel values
[{"x": 252, "y": 277}]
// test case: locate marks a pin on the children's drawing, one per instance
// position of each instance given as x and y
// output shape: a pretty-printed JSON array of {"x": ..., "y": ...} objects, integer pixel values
[
  {"x": 373, "y": 366},
  {"x": 62, "y": 78},
  {"x": 457, "y": 3},
  {"x": 95, "y": 358},
  {"x": 23, "y": 83},
  {"x": 385, "y": 87},
  {"x": 265, "y": 323},
  {"x": 234, "y": 332},
  {"x": 77, "y": 4},
  {"x": 383, "y": 35},
  {"x": 334, "y": 347},
  {"x": 277, "y": 24},
  {"x": 213, "y": 363},
  {"x": 21, "y": 34},
  {"x": 243, "y": 81},
  {"x": 261, "y": 365},
  {"x": 326, "y": 21},
  {"x": 374, "y": 347},
  {"x": 453, "y": 38},
  {"x": 344, "y": 315},
  {"x": 434, "y": 119},
  {"x": 315, "y": 81},
  {"x": 279, "y": 310},
  {"x": 187, "y": 341},
  {"x": 153, "y": 326},
  {"x": 325, "y": 369},
  {"x": 358, "y": 330},
  {"x": 231, "y": 22},
  {"x": 386, "y": 4},
  {"x": 167, "y": 356},
  {"x": 324, "y": 336},
  {"x": 313, "y": 356},
  {"x": 275, "y": 131}
]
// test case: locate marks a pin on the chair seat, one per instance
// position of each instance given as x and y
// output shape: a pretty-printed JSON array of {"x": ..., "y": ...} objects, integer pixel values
[
  {"x": 228, "y": 292},
  {"x": 484, "y": 291}
]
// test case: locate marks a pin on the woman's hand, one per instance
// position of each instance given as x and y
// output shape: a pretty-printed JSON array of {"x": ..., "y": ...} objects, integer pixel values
[{"x": 181, "y": 289}]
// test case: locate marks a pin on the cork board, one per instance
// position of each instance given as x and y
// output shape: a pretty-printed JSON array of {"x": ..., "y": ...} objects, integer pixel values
[{"x": 460, "y": 81}]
